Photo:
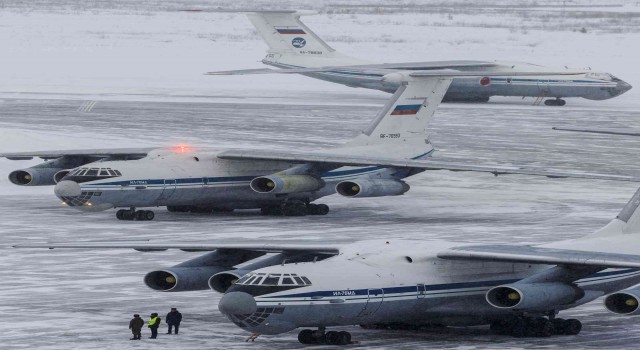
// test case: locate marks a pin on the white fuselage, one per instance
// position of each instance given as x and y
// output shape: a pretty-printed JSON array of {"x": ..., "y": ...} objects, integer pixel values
[{"x": 398, "y": 282}]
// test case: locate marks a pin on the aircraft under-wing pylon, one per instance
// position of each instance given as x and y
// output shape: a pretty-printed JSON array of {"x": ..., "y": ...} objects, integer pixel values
[{"x": 373, "y": 164}]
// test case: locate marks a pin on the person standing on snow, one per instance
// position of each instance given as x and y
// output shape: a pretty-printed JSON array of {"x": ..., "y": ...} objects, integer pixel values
[
  {"x": 153, "y": 324},
  {"x": 174, "y": 317},
  {"x": 135, "y": 325}
]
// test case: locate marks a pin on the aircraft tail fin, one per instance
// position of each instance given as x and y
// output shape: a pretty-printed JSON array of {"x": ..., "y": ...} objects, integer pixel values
[
  {"x": 627, "y": 221},
  {"x": 403, "y": 121},
  {"x": 287, "y": 38}
]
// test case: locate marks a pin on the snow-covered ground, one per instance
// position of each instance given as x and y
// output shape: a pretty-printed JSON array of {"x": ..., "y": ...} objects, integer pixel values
[{"x": 132, "y": 57}]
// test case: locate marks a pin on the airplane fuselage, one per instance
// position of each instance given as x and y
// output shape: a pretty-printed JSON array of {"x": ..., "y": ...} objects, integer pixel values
[
  {"x": 196, "y": 178},
  {"x": 592, "y": 85},
  {"x": 386, "y": 282}
]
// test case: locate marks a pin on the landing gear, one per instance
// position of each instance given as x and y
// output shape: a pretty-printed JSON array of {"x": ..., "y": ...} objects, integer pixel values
[
  {"x": 197, "y": 209},
  {"x": 557, "y": 102},
  {"x": 295, "y": 208},
  {"x": 521, "y": 327},
  {"x": 132, "y": 214},
  {"x": 308, "y": 336}
]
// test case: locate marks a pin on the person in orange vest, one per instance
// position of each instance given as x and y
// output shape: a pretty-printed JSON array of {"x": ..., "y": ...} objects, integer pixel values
[{"x": 154, "y": 323}]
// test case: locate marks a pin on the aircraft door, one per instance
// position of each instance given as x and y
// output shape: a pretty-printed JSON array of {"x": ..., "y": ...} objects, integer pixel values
[
  {"x": 169, "y": 189},
  {"x": 376, "y": 296}
]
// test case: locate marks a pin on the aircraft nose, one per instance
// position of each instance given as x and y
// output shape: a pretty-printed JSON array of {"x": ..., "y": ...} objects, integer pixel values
[
  {"x": 237, "y": 303},
  {"x": 622, "y": 87},
  {"x": 67, "y": 188}
]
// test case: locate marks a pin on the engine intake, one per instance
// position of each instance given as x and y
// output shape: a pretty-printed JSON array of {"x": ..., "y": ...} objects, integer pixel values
[
  {"x": 533, "y": 296},
  {"x": 181, "y": 279},
  {"x": 624, "y": 303},
  {"x": 221, "y": 281},
  {"x": 286, "y": 183},
  {"x": 372, "y": 188},
  {"x": 33, "y": 176}
]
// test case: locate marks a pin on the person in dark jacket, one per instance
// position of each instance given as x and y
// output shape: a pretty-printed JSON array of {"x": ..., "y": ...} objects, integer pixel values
[
  {"x": 135, "y": 325},
  {"x": 174, "y": 317},
  {"x": 153, "y": 324}
]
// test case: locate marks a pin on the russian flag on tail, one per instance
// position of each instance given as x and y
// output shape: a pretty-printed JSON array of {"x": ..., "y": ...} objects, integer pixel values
[
  {"x": 290, "y": 31},
  {"x": 406, "y": 109}
]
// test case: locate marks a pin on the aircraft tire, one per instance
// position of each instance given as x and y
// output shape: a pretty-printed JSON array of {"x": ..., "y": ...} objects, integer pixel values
[
  {"x": 344, "y": 337},
  {"x": 572, "y": 327},
  {"x": 149, "y": 215},
  {"x": 306, "y": 336},
  {"x": 322, "y": 209},
  {"x": 294, "y": 209},
  {"x": 558, "y": 326},
  {"x": 120, "y": 214},
  {"x": 333, "y": 338}
]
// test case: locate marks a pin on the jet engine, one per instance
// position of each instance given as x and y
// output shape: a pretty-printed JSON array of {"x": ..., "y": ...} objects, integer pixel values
[
  {"x": 286, "y": 183},
  {"x": 194, "y": 274},
  {"x": 533, "y": 296},
  {"x": 181, "y": 279},
  {"x": 624, "y": 303},
  {"x": 47, "y": 173},
  {"x": 221, "y": 281},
  {"x": 372, "y": 188}
]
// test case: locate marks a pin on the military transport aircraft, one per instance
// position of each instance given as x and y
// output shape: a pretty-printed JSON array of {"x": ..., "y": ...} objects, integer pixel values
[
  {"x": 394, "y": 146},
  {"x": 292, "y": 45},
  {"x": 516, "y": 289}
]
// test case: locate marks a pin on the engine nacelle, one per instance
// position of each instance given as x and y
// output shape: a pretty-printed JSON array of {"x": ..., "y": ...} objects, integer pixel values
[
  {"x": 34, "y": 176},
  {"x": 221, "y": 281},
  {"x": 181, "y": 279},
  {"x": 533, "y": 296},
  {"x": 372, "y": 188},
  {"x": 286, "y": 183},
  {"x": 625, "y": 302}
]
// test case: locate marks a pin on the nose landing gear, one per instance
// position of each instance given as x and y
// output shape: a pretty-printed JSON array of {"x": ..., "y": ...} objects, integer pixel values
[{"x": 132, "y": 214}]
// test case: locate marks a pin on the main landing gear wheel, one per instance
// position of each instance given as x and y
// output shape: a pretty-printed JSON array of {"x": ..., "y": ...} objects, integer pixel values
[
  {"x": 132, "y": 214},
  {"x": 557, "y": 102},
  {"x": 521, "y": 327},
  {"x": 308, "y": 336}
]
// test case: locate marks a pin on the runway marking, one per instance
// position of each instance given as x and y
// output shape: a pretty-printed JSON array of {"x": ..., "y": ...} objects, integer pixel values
[{"x": 87, "y": 106}]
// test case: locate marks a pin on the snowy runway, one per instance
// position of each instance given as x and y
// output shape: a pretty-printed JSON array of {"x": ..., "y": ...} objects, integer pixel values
[{"x": 83, "y": 299}]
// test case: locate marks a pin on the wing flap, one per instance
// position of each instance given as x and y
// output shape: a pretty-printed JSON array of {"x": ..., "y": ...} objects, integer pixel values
[{"x": 538, "y": 255}]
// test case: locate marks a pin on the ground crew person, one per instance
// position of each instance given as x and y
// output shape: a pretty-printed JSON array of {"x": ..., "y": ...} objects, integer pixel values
[
  {"x": 174, "y": 317},
  {"x": 154, "y": 323},
  {"x": 135, "y": 325}
]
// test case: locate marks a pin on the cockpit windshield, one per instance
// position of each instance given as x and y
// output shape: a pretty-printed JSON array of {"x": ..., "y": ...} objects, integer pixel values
[
  {"x": 85, "y": 174},
  {"x": 274, "y": 279}
]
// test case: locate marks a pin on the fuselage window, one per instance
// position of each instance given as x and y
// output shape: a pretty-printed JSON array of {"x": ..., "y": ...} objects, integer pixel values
[
  {"x": 104, "y": 172},
  {"x": 92, "y": 172},
  {"x": 112, "y": 173},
  {"x": 244, "y": 279},
  {"x": 299, "y": 280},
  {"x": 306, "y": 280},
  {"x": 118, "y": 173}
]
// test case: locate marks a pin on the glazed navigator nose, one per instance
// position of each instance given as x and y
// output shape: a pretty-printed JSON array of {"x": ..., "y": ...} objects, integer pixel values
[
  {"x": 237, "y": 303},
  {"x": 67, "y": 188},
  {"x": 623, "y": 87}
]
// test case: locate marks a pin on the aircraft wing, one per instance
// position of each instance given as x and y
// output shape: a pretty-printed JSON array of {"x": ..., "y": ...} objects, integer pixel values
[
  {"x": 599, "y": 131},
  {"x": 300, "y": 247},
  {"x": 337, "y": 160},
  {"x": 105, "y": 152},
  {"x": 539, "y": 255}
]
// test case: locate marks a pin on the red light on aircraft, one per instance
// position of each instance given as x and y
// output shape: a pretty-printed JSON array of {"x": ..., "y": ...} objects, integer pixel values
[
  {"x": 485, "y": 81},
  {"x": 181, "y": 148}
]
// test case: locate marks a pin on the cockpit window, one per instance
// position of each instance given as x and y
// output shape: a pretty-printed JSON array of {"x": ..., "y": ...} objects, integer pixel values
[
  {"x": 90, "y": 174},
  {"x": 273, "y": 279}
]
